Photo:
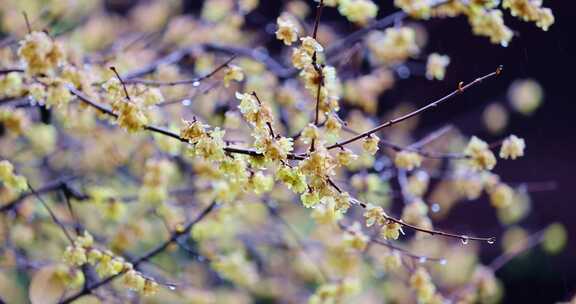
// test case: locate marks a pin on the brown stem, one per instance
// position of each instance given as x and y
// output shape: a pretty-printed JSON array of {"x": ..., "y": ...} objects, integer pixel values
[
  {"x": 429, "y": 106},
  {"x": 196, "y": 80},
  {"x": 136, "y": 262}
]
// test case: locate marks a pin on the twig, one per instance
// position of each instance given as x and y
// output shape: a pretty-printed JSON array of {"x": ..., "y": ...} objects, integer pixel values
[
  {"x": 462, "y": 237},
  {"x": 144, "y": 258},
  {"x": 193, "y": 81},
  {"x": 52, "y": 215},
  {"x": 461, "y": 88},
  {"x": 162, "y": 131},
  {"x": 49, "y": 187}
]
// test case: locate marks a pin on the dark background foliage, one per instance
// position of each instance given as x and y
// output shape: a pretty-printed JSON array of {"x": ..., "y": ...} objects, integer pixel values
[{"x": 549, "y": 57}]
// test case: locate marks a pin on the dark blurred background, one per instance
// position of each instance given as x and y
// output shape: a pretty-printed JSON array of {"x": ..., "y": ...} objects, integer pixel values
[{"x": 550, "y": 58}]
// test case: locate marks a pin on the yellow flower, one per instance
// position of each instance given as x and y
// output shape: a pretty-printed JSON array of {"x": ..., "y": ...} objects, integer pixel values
[
  {"x": 301, "y": 58},
  {"x": 501, "y": 196},
  {"x": 391, "y": 231},
  {"x": 40, "y": 53},
  {"x": 192, "y": 131},
  {"x": 310, "y": 133},
  {"x": 75, "y": 256},
  {"x": 530, "y": 11},
  {"x": 374, "y": 215},
  {"x": 436, "y": 66},
  {"x": 358, "y": 11},
  {"x": 287, "y": 29},
  {"x": 355, "y": 238},
  {"x": 233, "y": 72},
  {"x": 130, "y": 115},
  {"x": 310, "y": 199},
  {"x": 345, "y": 157},
  {"x": 311, "y": 46},
  {"x": 152, "y": 96},
  {"x": 481, "y": 158},
  {"x": 11, "y": 85},
  {"x": 491, "y": 24},
  {"x": 415, "y": 8},
  {"x": 370, "y": 144},
  {"x": 407, "y": 160},
  {"x": 57, "y": 94},
  {"x": 394, "y": 45},
  {"x": 293, "y": 178},
  {"x": 512, "y": 147},
  {"x": 11, "y": 180}
]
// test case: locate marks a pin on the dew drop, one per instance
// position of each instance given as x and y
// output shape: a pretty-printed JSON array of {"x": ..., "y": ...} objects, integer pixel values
[
  {"x": 196, "y": 83},
  {"x": 491, "y": 241},
  {"x": 403, "y": 72},
  {"x": 422, "y": 260},
  {"x": 443, "y": 262},
  {"x": 186, "y": 102},
  {"x": 464, "y": 239},
  {"x": 435, "y": 208}
]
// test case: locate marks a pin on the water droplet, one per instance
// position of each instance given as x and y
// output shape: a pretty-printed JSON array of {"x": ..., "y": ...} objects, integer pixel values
[
  {"x": 422, "y": 260},
  {"x": 491, "y": 241},
  {"x": 196, "y": 83},
  {"x": 403, "y": 72},
  {"x": 435, "y": 208},
  {"x": 171, "y": 287},
  {"x": 443, "y": 262},
  {"x": 464, "y": 239},
  {"x": 186, "y": 102},
  {"x": 200, "y": 258}
]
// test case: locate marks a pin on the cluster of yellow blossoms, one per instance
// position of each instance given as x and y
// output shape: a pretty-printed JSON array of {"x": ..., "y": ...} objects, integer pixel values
[
  {"x": 394, "y": 45},
  {"x": 484, "y": 16},
  {"x": 41, "y": 54},
  {"x": 512, "y": 147},
  {"x": 358, "y": 11},
  {"x": 531, "y": 11},
  {"x": 375, "y": 215},
  {"x": 131, "y": 109},
  {"x": 107, "y": 264}
]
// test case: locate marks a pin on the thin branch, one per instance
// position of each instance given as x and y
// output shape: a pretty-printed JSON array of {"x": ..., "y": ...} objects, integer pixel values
[
  {"x": 121, "y": 82},
  {"x": 52, "y": 215},
  {"x": 533, "y": 241},
  {"x": 163, "y": 131},
  {"x": 144, "y": 258},
  {"x": 319, "y": 9},
  {"x": 401, "y": 250},
  {"x": 11, "y": 70},
  {"x": 462, "y": 237},
  {"x": 195, "y": 81},
  {"x": 461, "y": 88},
  {"x": 49, "y": 187}
]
